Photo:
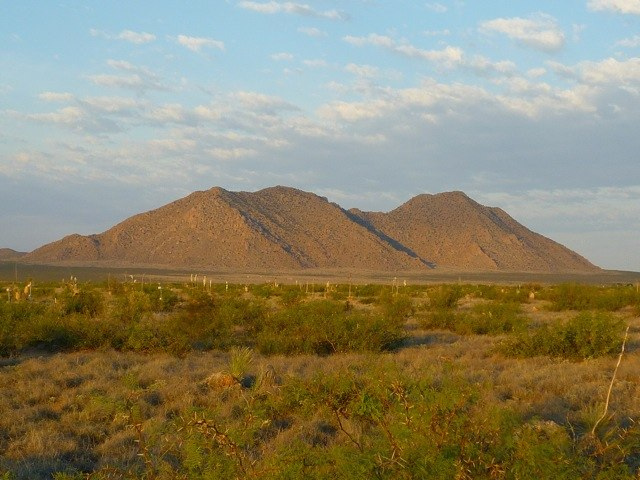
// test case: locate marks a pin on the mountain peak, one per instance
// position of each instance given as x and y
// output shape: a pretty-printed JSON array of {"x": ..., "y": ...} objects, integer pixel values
[{"x": 281, "y": 227}]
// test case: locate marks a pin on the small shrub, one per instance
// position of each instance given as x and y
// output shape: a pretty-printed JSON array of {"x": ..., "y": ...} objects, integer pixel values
[
  {"x": 16, "y": 320},
  {"x": 442, "y": 318},
  {"x": 497, "y": 317},
  {"x": 505, "y": 294},
  {"x": 87, "y": 302},
  {"x": 445, "y": 296},
  {"x": 396, "y": 308},
  {"x": 265, "y": 290},
  {"x": 132, "y": 307},
  {"x": 584, "y": 336},
  {"x": 154, "y": 335},
  {"x": 324, "y": 327},
  {"x": 292, "y": 296},
  {"x": 492, "y": 318},
  {"x": 163, "y": 299},
  {"x": 368, "y": 290},
  {"x": 573, "y": 296}
]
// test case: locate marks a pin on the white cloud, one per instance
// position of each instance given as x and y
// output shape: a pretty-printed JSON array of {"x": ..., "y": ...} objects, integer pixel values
[
  {"x": 630, "y": 42},
  {"x": 312, "y": 32},
  {"x": 524, "y": 96},
  {"x": 540, "y": 31},
  {"x": 366, "y": 71},
  {"x": 372, "y": 39},
  {"x": 610, "y": 71},
  {"x": 448, "y": 56},
  {"x": 282, "y": 56},
  {"x": 195, "y": 44},
  {"x": 437, "y": 33},
  {"x": 253, "y": 101},
  {"x": 536, "y": 72},
  {"x": 436, "y": 7},
  {"x": 231, "y": 153},
  {"x": 139, "y": 79},
  {"x": 484, "y": 66},
  {"x": 136, "y": 37},
  {"x": 124, "y": 65},
  {"x": 20, "y": 162},
  {"x": 354, "y": 111},
  {"x": 134, "y": 82},
  {"x": 168, "y": 113},
  {"x": 66, "y": 116},
  {"x": 113, "y": 105},
  {"x": 316, "y": 63},
  {"x": 173, "y": 145},
  {"x": 607, "y": 205},
  {"x": 540, "y": 100},
  {"x": 620, "y": 6},
  {"x": 210, "y": 113},
  {"x": 56, "y": 96},
  {"x": 83, "y": 119},
  {"x": 292, "y": 8}
]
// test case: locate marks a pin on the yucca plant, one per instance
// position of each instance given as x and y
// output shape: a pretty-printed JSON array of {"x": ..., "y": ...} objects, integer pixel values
[{"x": 240, "y": 361}]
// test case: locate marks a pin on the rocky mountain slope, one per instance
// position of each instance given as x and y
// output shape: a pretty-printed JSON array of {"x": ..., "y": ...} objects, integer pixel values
[
  {"x": 9, "y": 254},
  {"x": 284, "y": 228},
  {"x": 452, "y": 229}
]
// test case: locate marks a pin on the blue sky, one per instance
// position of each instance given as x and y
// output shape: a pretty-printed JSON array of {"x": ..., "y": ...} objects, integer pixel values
[{"x": 111, "y": 108}]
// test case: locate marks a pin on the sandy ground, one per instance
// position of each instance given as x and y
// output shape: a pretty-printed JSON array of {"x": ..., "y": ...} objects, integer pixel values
[{"x": 15, "y": 271}]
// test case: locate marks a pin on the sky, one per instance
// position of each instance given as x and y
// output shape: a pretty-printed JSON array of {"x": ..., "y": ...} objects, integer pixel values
[{"x": 108, "y": 109}]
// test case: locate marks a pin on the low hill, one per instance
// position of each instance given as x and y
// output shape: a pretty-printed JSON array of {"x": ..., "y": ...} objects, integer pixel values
[
  {"x": 283, "y": 228},
  {"x": 9, "y": 254}
]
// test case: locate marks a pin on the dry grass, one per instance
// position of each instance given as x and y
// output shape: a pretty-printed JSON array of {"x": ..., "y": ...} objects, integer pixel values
[
  {"x": 75, "y": 411},
  {"x": 89, "y": 411}
]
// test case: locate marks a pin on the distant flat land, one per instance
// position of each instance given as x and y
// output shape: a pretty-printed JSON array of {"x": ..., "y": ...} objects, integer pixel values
[{"x": 11, "y": 271}]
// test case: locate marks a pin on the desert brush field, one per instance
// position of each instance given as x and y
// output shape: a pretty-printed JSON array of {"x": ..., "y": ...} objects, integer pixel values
[{"x": 113, "y": 380}]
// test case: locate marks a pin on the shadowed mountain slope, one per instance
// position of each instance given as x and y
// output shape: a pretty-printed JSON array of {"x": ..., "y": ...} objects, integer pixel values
[{"x": 284, "y": 228}]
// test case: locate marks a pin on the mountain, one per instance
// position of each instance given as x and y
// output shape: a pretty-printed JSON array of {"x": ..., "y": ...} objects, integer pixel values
[
  {"x": 282, "y": 228},
  {"x": 452, "y": 229},
  {"x": 9, "y": 254}
]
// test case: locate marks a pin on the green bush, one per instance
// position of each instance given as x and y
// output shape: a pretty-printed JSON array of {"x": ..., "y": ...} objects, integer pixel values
[
  {"x": 265, "y": 290},
  {"x": 368, "y": 290},
  {"x": 506, "y": 294},
  {"x": 324, "y": 327},
  {"x": 573, "y": 296},
  {"x": 132, "y": 307},
  {"x": 292, "y": 295},
  {"x": 87, "y": 302},
  {"x": 162, "y": 298},
  {"x": 445, "y": 296},
  {"x": 16, "y": 320},
  {"x": 150, "y": 335},
  {"x": 396, "y": 308},
  {"x": 584, "y": 336},
  {"x": 492, "y": 318}
]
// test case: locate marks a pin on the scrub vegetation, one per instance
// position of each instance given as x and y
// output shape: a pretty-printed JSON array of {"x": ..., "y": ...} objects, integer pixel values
[{"x": 194, "y": 380}]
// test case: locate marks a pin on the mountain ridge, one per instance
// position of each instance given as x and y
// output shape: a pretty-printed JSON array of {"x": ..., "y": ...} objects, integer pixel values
[
  {"x": 285, "y": 228},
  {"x": 10, "y": 254}
]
